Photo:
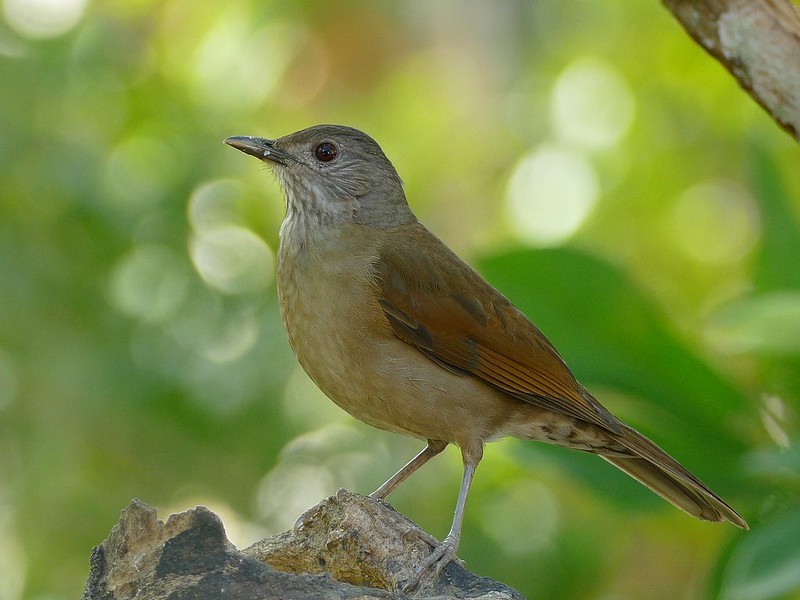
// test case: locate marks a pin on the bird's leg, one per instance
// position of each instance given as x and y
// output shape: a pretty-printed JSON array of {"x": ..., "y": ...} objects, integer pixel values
[
  {"x": 433, "y": 448},
  {"x": 446, "y": 551}
]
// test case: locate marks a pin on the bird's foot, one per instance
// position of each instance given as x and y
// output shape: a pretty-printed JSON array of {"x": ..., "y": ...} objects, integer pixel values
[
  {"x": 307, "y": 516},
  {"x": 443, "y": 553},
  {"x": 416, "y": 533}
]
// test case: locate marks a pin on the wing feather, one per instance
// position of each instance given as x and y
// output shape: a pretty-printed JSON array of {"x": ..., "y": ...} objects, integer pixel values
[{"x": 437, "y": 303}]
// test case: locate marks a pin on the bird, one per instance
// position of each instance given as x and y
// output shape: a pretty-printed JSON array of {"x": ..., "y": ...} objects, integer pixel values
[{"x": 405, "y": 336}]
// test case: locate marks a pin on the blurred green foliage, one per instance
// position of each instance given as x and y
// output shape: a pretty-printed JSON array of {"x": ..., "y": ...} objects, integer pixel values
[{"x": 595, "y": 164}]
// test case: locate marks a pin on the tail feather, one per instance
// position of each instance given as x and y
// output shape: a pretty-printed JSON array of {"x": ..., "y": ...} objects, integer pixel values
[{"x": 661, "y": 473}]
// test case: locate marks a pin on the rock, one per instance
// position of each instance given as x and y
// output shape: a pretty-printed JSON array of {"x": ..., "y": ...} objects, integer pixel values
[{"x": 350, "y": 546}]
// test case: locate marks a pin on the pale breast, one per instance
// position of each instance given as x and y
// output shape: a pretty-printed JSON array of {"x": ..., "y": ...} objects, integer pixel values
[
  {"x": 343, "y": 341},
  {"x": 326, "y": 304}
]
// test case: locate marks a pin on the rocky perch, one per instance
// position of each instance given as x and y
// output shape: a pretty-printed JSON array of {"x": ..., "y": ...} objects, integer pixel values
[{"x": 351, "y": 547}]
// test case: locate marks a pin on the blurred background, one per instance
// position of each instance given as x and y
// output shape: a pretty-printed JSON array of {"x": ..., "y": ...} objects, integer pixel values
[{"x": 592, "y": 161}]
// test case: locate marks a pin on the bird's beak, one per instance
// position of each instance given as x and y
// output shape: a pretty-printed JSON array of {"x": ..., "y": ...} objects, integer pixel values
[{"x": 261, "y": 148}]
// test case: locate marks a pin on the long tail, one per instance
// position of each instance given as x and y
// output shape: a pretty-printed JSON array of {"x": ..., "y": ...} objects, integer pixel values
[{"x": 666, "y": 477}]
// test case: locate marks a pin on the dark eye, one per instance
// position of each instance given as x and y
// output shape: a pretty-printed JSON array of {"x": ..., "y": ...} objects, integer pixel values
[{"x": 326, "y": 152}]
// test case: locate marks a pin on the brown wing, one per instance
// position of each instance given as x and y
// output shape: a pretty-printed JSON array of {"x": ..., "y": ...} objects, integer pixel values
[{"x": 451, "y": 314}]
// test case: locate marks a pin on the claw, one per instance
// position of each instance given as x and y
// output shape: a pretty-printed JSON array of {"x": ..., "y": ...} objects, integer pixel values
[
  {"x": 416, "y": 532},
  {"x": 441, "y": 556},
  {"x": 307, "y": 516}
]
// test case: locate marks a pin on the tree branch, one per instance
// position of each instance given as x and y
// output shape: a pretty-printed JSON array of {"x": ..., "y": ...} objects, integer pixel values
[{"x": 758, "y": 41}]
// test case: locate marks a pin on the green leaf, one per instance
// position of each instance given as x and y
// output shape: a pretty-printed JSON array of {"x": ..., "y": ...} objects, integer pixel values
[
  {"x": 780, "y": 246},
  {"x": 765, "y": 563},
  {"x": 768, "y": 324}
]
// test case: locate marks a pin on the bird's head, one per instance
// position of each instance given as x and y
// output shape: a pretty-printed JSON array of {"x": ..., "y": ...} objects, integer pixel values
[{"x": 333, "y": 173}]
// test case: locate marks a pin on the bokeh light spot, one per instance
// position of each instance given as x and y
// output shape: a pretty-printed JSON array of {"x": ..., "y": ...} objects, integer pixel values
[
  {"x": 214, "y": 204},
  {"x": 288, "y": 491},
  {"x": 149, "y": 283},
  {"x": 236, "y": 67},
  {"x": 550, "y": 194},
  {"x": 311, "y": 467},
  {"x": 592, "y": 104},
  {"x": 715, "y": 222},
  {"x": 239, "y": 333},
  {"x": 232, "y": 259},
  {"x": 40, "y": 19},
  {"x": 12, "y": 554},
  {"x": 774, "y": 415}
]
